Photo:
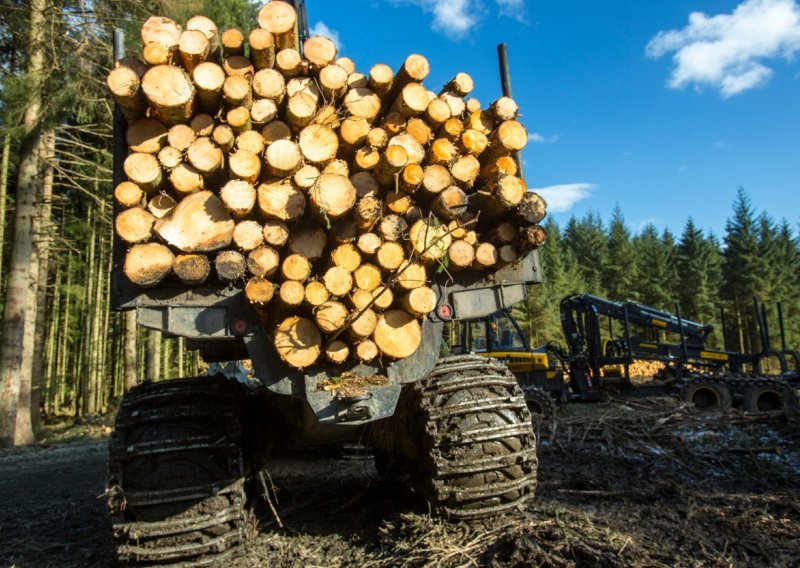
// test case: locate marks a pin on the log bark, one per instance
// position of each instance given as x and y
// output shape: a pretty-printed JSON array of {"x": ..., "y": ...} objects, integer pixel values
[
  {"x": 248, "y": 235},
  {"x": 239, "y": 198},
  {"x": 170, "y": 93},
  {"x": 193, "y": 48},
  {"x": 397, "y": 334},
  {"x": 368, "y": 211},
  {"x": 134, "y": 225},
  {"x": 262, "y": 48},
  {"x": 259, "y": 291},
  {"x": 148, "y": 264},
  {"x": 531, "y": 238},
  {"x": 237, "y": 91},
  {"x": 450, "y": 204},
  {"x": 330, "y": 317},
  {"x": 332, "y": 196},
  {"x": 146, "y": 135},
  {"x": 239, "y": 119},
  {"x": 280, "y": 19},
  {"x": 200, "y": 223},
  {"x": 263, "y": 261},
  {"x": 365, "y": 184},
  {"x": 419, "y": 302},
  {"x": 316, "y": 293},
  {"x": 392, "y": 227},
  {"x": 145, "y": 171},
  {"x": 185, "y": 180},
  {"x": 192, "y": 269},
  {"x": 232, "y": 42},
  {"x": 531, "y": 210},
  {"x": 381, "y": 78}
]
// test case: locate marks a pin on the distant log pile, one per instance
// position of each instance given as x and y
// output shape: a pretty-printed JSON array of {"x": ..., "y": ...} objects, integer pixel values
[{"x": 330, "y": 196}]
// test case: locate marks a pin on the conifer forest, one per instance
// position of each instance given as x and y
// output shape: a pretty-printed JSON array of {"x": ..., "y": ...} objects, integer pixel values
[{"x": 65, "y": 353}]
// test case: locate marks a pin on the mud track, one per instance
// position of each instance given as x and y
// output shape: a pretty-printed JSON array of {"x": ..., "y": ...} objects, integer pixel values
[{"x": 635, "y": 484}]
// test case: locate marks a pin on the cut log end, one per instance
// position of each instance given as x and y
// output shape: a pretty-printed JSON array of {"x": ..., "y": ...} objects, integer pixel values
[
  {"x": 146, "y": 265},
  {"x": 397, "y": 334},
  {"x": 297, "y": 340}
]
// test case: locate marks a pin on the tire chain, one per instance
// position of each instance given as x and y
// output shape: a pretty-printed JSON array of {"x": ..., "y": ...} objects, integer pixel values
[
  {"x": 470, "y": 372},
  {"x": 214, "y": 528}
]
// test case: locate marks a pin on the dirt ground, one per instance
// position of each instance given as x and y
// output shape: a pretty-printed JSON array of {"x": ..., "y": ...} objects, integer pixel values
[{"x": 644, "y": 483}]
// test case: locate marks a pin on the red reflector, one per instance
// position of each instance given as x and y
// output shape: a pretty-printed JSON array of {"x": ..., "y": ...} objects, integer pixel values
[
  {"x": 239, "y": 326},
  {"x": 445, "y": 311}
]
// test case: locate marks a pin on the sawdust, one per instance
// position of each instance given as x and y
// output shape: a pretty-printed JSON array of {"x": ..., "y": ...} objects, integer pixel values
[{"x": 349, "y": 384}]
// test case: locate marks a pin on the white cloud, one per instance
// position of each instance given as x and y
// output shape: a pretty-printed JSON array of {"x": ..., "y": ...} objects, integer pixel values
[
  {"x": 320, "y": 28},
  {"x": 541, "y": 139},
  {"x": 726, "y": 52},
  {"x": 455, "y": 18},
  {"x": 561, "y": 198}
]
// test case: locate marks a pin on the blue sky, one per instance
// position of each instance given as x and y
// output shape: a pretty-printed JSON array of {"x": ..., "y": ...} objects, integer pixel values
[{"x": 631, "y": 102}]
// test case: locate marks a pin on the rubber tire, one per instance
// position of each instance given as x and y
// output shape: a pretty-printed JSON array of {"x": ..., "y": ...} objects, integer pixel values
[
  {"x": 540, "y": 404},
  {"x": 764, "y": 399},
  {"x": 176, "y": 476},
  {"x": 479, "y": 448},
  {"x": 707, "y": 396}
]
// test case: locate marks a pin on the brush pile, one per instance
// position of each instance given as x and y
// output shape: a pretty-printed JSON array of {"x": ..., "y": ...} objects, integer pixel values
[{"x": 331, "y": 196}]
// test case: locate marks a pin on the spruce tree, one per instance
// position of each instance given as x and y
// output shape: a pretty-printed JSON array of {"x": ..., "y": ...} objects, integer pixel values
[
  {"x": 653, "y": 269},
  {"x": 619, "y": 273},
  {"x": 586, "y": 241}
]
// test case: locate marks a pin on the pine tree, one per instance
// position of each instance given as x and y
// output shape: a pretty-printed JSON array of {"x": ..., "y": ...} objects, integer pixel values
[
  {"x": 698, "y": 265},
  {"x": 586, "y": 241},
  {"x": 619, "y": 273},
  {"x": 652, "y": 266}
]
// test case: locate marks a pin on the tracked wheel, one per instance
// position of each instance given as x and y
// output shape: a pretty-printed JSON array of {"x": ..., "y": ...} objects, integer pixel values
[
  {"x": 176, "y": 475},
  {"x": 540, "y": 404},
  {"x": 479, "y": 448},
  {"x": 707, "y": 395},
  {"x": 766, "y": 399}
]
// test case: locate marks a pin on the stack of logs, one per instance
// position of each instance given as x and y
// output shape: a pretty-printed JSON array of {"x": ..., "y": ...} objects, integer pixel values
[{"x": 333, "y": 197}]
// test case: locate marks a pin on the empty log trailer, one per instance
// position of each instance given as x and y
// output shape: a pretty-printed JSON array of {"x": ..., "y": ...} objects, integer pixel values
[{"x": 274, "y": 204}]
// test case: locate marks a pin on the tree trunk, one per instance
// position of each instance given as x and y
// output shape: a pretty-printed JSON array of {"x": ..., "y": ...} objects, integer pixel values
[
  {"x": 3, "y": 189},
  {"x": 11, "y": 369},
  {"x": 131, "y": 370},
  {"x": 44, "y": 238}
]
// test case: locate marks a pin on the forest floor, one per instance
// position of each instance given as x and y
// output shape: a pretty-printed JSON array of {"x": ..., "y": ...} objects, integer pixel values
[{"x": 644, "y": 483}]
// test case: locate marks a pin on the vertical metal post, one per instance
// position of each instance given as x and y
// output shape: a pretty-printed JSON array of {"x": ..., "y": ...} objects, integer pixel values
[
  {"x": 724, "y": 328},
  {"x": 680, "y": 329},
  {"x": 759, "y": 327},
  {"x": 782, "y": 327},
  {"x": 505, "y": 81},
  {"x": 765, "y": 329},
  {"x": 120, "y": 151}
]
